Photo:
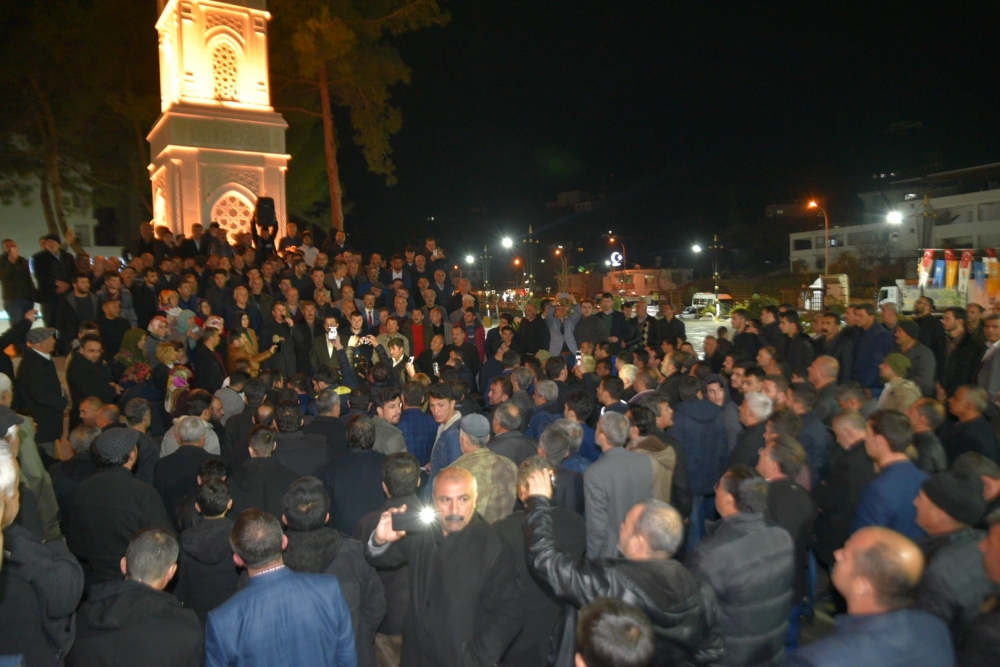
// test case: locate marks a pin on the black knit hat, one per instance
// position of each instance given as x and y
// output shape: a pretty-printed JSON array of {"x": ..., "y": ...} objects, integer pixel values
[{"x": 958, "y": 494}]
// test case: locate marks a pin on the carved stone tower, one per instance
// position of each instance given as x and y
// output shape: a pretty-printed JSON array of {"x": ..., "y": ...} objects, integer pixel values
[{"x": 218, "y": 144}]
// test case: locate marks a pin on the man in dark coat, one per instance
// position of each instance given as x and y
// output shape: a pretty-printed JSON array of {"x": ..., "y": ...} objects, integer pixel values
[
  {"x": 176, "y": 475},
  {"x": 88, "y": 375},
  {"x": 755, "y": 601},
  {"x": 954, "y": 584},
  {"x": 111, "y": 506},
  {"x": 40, "y": 583},
  {"x": 962, "y": 355},
  {"x": 931, "y": 330},
  {"x": 683, "y": 610},
  {"x": 136, "y": 622},
  {"x": 280, "y": 330},
  {"x": 76, "y": 306},
  {"x": 568, "y": 532},
  {"x": 313, "y": 546},
  {"x": 53, "y": 272},
  {"x": 872, "y": 344},
  {"x": 302, "y": 453},
  {"x": 209, "y": 369},
  {"x": 15, "y": 278},
  {"x": 877, "y": 572},
  {"x": 981, "y": 645},
  {"x": 790, "y": 506},
  {"x": 849, "y": 470},
  {"x": 354, "y": 480},
  {"x": 508, "y": 440},
  {"x": 971, "y": 433},
  {"x": 260, "y": 481},
  {"x": 38, "y": 390},
  {"x": 208, "y": 576},
  {"x": 145, "y": 299},
  {"x": 533, "y": 333},
  {"x": 400, "y": 480},
  {"x": 465, "y": 597}
]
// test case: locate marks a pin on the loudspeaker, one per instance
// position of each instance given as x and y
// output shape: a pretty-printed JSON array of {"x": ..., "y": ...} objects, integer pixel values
[{"x": 265, "y": 214}]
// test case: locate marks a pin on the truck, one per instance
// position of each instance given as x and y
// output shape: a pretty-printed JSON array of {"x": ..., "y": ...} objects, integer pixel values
[{"x": 948, "y": 282}]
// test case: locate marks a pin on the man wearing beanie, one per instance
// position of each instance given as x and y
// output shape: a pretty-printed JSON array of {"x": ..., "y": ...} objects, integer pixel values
[
  {"x": 923, "y": 364},
  {"x": 108, "y": 509},
  {"x": 981, "y": 645},
  {"x": 954, "y": 584},
  {"x": 496, "y": 476},
  {"x": 899, "y": 393}
]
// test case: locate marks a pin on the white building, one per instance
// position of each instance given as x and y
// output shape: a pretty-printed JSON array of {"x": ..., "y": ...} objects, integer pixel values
[
  {"x": 218, "y": 145},
  {"x": 948, "y": 210}
]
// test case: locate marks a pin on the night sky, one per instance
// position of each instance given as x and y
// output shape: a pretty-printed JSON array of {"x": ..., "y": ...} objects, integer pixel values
[{"x": 690, "y": 116}]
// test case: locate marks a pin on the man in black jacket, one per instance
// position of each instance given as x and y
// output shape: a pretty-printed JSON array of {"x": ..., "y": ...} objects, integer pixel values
[
  {"x": 210, "y": 370},
  {"x": 37, "y": 388},
  {"x": 111, "y": 506},
  {"x": 135, "y": 622},
  {"x": 145, "y": 297},
  {"x": 932, "y": 332},
  {"x": 313, "y": 546},
  {"x": 354, "y": 480},
  {"x": 971, "y": 433},
  {"x": 954, "y": 584},
  {"x": 176, "y": 475},
  {"x": 683, "y": 610},
  {"x": 280, "y": 330},
  {"x": 755, "y": 601},
  {"x": 40, "y": 583},
  {"x": 464, "y": 592},
  {"x": 541, "y": 606},
  {"x": 15, "y": 278},
  {"x": 400, "y": 481},
  {"x": 260, "y": 481},
  {"x": 53, "y": 271},
  {"x": 302, "y": 453},
  {"x": 74, "y": 308},
  {"x": 790, "y": 506},
  {"x": 962, "y": 356},
  {"x": 88, "y": 375}
]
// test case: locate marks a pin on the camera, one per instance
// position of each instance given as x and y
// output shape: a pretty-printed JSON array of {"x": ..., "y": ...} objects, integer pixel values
[{"x": 414, "y": 519}]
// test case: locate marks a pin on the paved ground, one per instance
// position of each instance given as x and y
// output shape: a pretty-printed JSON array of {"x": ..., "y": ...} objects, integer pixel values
[{"x": 698, "y": 329}]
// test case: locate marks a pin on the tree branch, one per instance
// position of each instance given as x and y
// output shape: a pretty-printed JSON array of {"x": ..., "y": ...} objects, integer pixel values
[{"x": 300, "y": 110}]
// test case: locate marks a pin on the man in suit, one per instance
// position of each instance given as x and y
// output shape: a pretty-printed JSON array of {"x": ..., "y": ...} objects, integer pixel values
[
  {"x": 77, "y": 306},
  {"x": 53, "y": 272},
  {"x": 280, "y": 330},
  {"x": 354, "y": 480},
  {"x": 327, "y": 422},
  {"x": 988, "y": 375},
  {"x": 613, "y": 484},
  {"x": 310, "y": 608},
  {"x": 38, "y": 390},
  {"x": 196, "y": 245},
  {"x": 614, "y": 322}
]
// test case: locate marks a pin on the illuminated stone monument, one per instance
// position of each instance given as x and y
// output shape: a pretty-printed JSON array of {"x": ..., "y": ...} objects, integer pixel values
[{"x": 218, "y": 144}]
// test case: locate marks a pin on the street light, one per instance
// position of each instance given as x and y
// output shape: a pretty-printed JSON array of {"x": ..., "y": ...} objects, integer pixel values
[
  {"x": 696, "y": 248},
  {"x": 715, "y": 248},
  {"x": 469, "y": 259},
  {"x": 894, "y": 218},
  {"x": 826, "y": 235},
  {"x": 507, "y": 243}
]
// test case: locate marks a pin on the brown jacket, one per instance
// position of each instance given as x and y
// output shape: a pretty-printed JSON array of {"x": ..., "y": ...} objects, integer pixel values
[{"x": 663, "y": 459}]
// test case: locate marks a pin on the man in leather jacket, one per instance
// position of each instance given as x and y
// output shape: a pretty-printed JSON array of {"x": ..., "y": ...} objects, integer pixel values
[{"x": 683, "y": 610}]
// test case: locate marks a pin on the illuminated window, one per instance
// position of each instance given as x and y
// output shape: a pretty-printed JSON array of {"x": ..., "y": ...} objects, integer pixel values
[
  {"x": 224, "y": 72},
  {"x": 233, "y": 213}
]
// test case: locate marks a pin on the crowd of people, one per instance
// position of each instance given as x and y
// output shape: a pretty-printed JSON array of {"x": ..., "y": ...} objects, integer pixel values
[{"x": 576, "y": 486}]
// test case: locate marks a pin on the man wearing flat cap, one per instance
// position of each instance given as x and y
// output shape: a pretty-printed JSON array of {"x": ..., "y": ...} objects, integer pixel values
[
  {"x": 899, "y": 393},
  {"x": 496, "y": 476},
  {"x": 923, "y": 364},
  {"x": 109, "y": 508},
  {"x": 954, "y": 584},
  {"x": 37, "y": 388}
]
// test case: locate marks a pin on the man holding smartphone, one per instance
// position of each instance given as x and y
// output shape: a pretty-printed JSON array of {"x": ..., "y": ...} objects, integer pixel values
[{"x": 465, "y": 597}]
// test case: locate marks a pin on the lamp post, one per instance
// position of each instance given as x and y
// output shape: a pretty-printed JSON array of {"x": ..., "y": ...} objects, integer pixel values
[
  {"x": 715, "y": 248},
  {"x": 826, "y": 235}
]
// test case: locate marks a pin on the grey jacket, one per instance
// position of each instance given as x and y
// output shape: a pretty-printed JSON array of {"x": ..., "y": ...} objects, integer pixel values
[
  {"x": 388, "y": 438},
  {"x": 611, "y": 486},
  {"x": 923, "y": 368}
]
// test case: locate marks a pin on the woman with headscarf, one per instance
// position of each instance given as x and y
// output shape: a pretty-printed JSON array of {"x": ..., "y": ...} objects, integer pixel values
[
  {"x": 132, "y": 351},
  {"x": 169, "y": 300}
]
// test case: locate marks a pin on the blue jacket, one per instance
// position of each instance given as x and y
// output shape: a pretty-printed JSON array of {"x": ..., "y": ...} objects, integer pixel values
[
  {"x": 698, "y": 426},
  {"x": 556, "y": 336},
  {"x": 541, "y": 418},
  {"x": 888, "y": 500},
  {"x": 588, "y": 448},
  {"x": 419, "y": 431},
  {"x": 903, "y": 638},
  {"x": 871, "y": 347},
  {"x": 282, "y": 618},
  {"x": 817, "y": 442},
  {"x": 447, "y": 449}
]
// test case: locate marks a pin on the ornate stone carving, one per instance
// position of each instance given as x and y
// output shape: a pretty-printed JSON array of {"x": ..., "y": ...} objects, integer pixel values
[
  {"x": 233, "y": 213},
  {"x": 241, "y": 137},
  {"x": 225, "y": 75},
  {"x": 234, "y": 23},
  {"x": 216, "y": 176}
]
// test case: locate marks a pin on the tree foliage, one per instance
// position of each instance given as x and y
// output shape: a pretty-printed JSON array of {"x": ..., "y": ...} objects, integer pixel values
[
  {"x": 329, "y": 54},
  {"x": 80, "y": 89}
]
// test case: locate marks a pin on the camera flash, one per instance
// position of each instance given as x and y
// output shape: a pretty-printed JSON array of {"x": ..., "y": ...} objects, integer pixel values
[{"x": 428, "y": 515}]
